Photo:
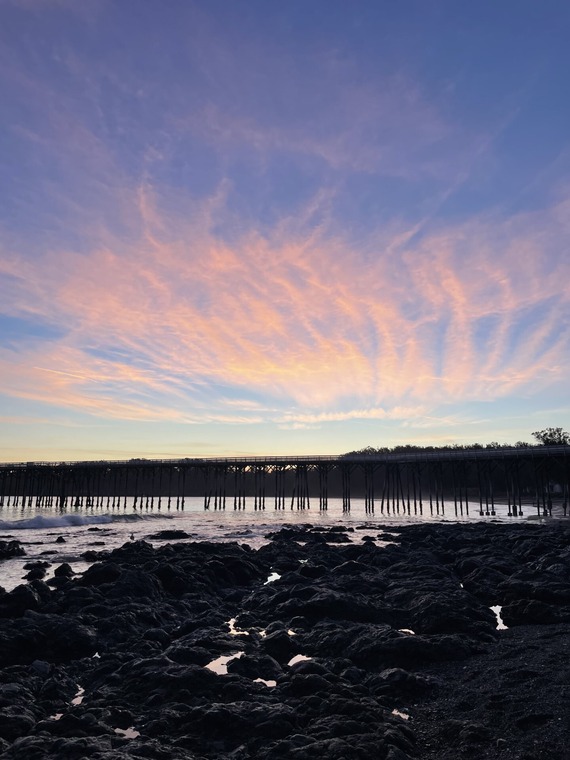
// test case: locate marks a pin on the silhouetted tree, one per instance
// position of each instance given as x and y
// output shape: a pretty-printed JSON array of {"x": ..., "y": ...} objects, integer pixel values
[{"x": 552, "y": 437}]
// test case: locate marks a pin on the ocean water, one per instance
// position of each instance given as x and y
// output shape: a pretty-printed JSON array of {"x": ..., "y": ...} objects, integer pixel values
[{"x": 41, "y": 529}]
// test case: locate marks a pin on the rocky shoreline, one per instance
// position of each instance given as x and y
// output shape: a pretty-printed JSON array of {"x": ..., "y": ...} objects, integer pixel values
[{"x": 398, "y": 652}]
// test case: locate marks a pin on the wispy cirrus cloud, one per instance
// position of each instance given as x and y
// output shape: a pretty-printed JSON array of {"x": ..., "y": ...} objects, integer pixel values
[
  {"x": 359, "y": 127},
  {"x": 299, "y": 320},
  {"x": 252, "y": 232},
  {"x": 303, "y": 421}
]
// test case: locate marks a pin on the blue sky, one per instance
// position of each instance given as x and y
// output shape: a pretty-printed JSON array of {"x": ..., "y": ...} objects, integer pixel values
[{"x": 306, "y": 227}]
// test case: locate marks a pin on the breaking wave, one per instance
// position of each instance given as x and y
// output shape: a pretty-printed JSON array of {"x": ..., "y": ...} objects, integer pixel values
[{"x": 44, "y": 522}]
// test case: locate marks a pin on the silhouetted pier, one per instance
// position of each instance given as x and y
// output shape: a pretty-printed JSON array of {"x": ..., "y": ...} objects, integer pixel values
[{"x": 407, "y": 483}]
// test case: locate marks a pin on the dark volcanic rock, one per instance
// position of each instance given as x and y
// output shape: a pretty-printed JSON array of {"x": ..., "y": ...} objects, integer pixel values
[
  {"x": 525, "y": 611},
  {"x": 48, "y": 637},
  {"x": 38, "y": 563},
  {"x": 280, "y": 646},
  {"x": 15, "y": 721},
  {"x": 400, "y": 684},
  {"x": 9, "y": 549},
  {"x": 405, "y": 626},
  {"x": 64, "y": 571},
  {"x": 101, "y": 573},
  {"x": 20, "y": 599},
  {"x": 169, "y": 535},
  {"x": 381, "y": 646},
  {"x": 37, "y": 574},
  {"x": 260, "y": 666}
]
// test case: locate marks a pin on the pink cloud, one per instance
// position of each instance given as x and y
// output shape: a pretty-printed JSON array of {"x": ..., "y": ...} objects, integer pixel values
[{"x": 300, "y": 318}]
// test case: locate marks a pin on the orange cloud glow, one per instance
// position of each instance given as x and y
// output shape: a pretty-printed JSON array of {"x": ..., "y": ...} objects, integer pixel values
[{"x": 300, "y": 318}]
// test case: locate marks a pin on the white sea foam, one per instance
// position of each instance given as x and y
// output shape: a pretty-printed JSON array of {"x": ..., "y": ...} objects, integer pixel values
[
  {"x": 76, "y": 519},
  {"x": 45, "y": 522}
]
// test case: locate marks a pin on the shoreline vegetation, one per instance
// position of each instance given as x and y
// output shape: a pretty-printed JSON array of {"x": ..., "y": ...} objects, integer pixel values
[
  {"x": 385, "y": 646},
  {"x": 552, "y": 436}
]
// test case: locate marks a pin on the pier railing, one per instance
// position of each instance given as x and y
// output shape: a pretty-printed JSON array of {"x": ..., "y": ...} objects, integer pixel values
[{"x": 393, "y": 456}]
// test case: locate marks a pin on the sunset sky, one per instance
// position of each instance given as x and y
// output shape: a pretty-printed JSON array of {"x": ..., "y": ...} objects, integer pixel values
[{"x": 236, "y": 227}]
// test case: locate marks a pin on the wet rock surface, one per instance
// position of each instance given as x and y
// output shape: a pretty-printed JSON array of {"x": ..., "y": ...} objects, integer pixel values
[
  {"x": 9, "y": 549},
  {"x": 311, "y": 646}
]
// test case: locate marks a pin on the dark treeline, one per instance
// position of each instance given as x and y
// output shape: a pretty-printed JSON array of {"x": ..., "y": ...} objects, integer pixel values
[{"x": 552, "y": 436}]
